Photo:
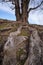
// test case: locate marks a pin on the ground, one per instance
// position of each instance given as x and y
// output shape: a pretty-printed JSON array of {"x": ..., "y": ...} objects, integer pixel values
[
  {"x": 10, "y": 26},
  {"x": 6, "y": 27}
]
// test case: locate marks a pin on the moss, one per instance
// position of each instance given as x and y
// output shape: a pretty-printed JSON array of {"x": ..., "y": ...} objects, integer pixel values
[
  {"x": 24, "y": 33},
  {"x": 18, "y": 54}
]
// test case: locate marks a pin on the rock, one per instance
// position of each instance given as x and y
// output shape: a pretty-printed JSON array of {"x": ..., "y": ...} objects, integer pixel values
[
  {"x": 17, "y": 48},
  {"x": 35, "y": 56},
  {"x": 13, "y": 43}
]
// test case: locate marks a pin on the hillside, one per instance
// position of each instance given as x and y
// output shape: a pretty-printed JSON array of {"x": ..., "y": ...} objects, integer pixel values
[{"x": 7, "y": 27}]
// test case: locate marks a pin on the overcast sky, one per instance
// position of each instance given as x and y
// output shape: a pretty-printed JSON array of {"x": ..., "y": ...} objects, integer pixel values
[{"x": 35, "y": 17}]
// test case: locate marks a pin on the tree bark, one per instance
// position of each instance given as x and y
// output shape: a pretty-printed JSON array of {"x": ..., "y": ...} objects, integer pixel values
[
  {"x": 24, "y": 7},
  {"x": 17, "y": 10},
  {"x": 24, "y": 11}
]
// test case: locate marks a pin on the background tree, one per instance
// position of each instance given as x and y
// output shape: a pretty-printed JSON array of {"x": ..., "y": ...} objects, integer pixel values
[{"x": 22, "y": 8}]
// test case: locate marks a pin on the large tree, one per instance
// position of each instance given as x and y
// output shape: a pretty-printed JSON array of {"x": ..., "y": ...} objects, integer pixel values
[{"x": 22, "y": 8}]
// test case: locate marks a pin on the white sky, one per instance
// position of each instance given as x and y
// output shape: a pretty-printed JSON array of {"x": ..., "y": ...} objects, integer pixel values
[
  {"x": 5, "y": 7},
  {"x": 36, "y": 17}
]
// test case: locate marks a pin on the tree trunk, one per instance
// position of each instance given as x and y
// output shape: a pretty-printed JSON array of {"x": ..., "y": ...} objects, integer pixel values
[
  {"x": 21, "y": 16},
  {"x": 24, "y": 7},
  {"x": 17, "y": 10}
]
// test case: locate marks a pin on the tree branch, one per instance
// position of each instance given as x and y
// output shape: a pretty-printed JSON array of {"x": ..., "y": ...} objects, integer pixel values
[{"x": 35, "y": 7}]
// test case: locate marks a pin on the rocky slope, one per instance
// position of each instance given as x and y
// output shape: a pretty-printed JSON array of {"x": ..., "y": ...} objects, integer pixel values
[
  {"x": 33, "y": 53},
  {"x": 22, "y": 44},
  {"x": 15, "y": 48}
]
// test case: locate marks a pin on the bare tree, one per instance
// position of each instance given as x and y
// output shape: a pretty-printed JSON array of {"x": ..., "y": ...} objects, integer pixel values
[{"x": 22, "y": 8}]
